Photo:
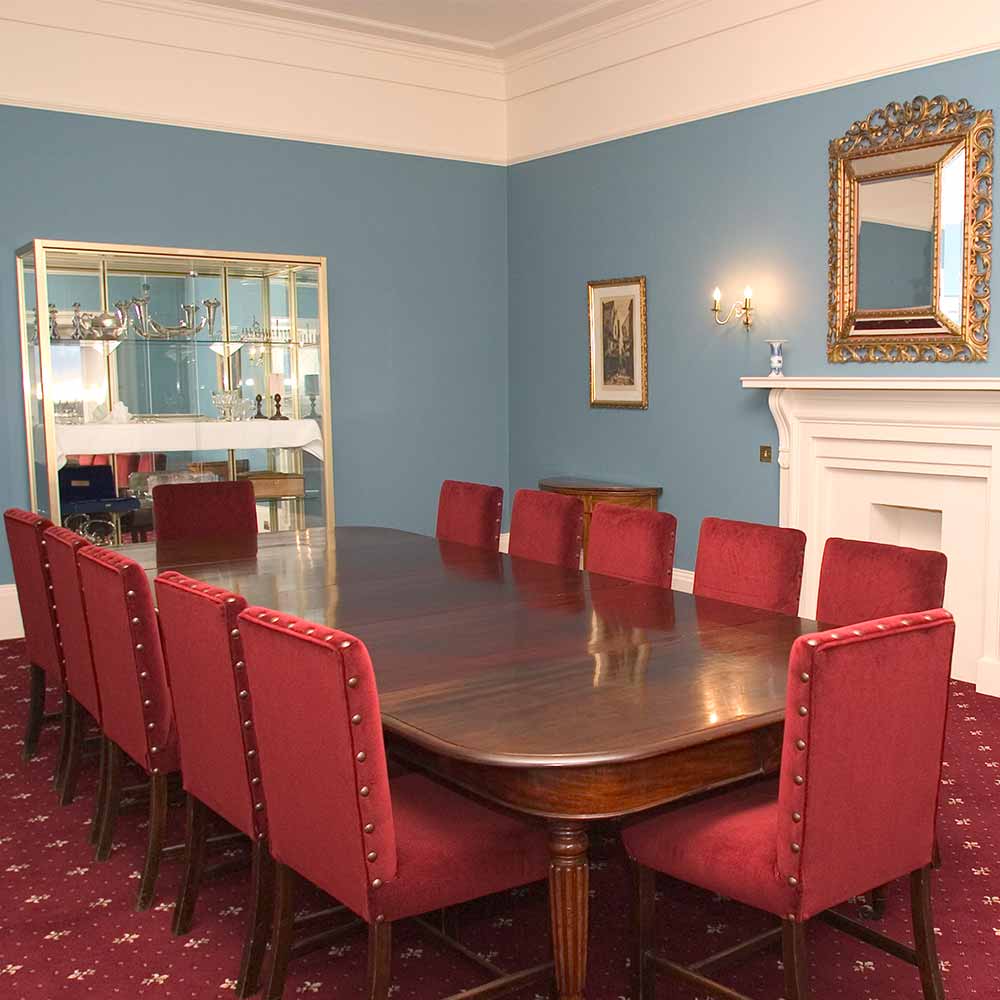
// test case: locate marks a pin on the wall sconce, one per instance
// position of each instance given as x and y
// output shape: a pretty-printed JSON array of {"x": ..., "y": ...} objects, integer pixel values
[{"x": 742, "y": 309}]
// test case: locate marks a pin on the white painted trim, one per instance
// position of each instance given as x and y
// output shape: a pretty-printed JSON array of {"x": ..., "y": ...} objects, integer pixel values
[
  {"x": 847, "y": 455},
  {"x": 952, "y": 384},
  {"x": 683, "y": 580},
  {"x": 10, "y": 613},
  {"x": 342, "y": 83}
]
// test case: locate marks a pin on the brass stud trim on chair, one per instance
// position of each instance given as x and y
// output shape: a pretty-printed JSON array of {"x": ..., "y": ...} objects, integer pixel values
[
  {"x": 804, "y": 677},
  {"x": 376, "y": 883},
  {"x": 800, "y": 744},
  {"x": 135, "y": 621},
  {"x": 796, "y": 817},
  {"x": 361, "y": 756},
  {"x": 369, "y": 827},
  {"x": 130, "y": 593},
  {"x": 356, "y": 720},
  {"x": 803, "y": 710},
  {"x": 798, "y": 779},
  {"x": 234, "y": 632},
  {"x": 247, "y": 724},
  {"x": 373, "y": 855},
  {"x": 352, "y": 682},
  {"x": 796, "y": 848},
  {"x": 364, "y": 791},
  {"x": 345, "y": 644},
  {"x": 793, "y": 881}
]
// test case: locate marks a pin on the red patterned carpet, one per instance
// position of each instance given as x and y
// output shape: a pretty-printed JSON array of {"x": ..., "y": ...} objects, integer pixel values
[{"x": 68, "y": 928}]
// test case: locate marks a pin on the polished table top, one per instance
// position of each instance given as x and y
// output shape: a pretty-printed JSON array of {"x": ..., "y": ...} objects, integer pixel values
[{"x": 505, "y": 661}]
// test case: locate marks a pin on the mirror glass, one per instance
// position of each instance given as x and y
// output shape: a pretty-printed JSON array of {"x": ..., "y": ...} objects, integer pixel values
[
  {"x": 952, "y": 236},
  {"x": 896, "y": 242}
]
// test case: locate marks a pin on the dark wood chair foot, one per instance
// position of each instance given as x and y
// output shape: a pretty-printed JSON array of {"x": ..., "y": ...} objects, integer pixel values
[
  {"x": 794, "y": 957},
  {"x": 379, "y": 960},
  {"x": 196, "y": 834},
  {"x": 95, "y": 823},
  {"x": 36, "y": 711},
  {"x": 873, "y": 903},
  {"x": 114, "y": 763},
  {"x": 285, "y": 881},
  {"x": 923, "y": 935},
  {"x": 643, "y": 982},
  {"x": 157, "y": 836},
  {"x": 75, "y": 724},
  {"x": 259, "y": 923},
  {"x": 65, "y": 738},
  {"x": 936, "y": 855}
]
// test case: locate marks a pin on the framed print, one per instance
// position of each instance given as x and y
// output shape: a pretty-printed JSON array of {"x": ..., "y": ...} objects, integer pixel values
[{"x": 617, "y": 311}]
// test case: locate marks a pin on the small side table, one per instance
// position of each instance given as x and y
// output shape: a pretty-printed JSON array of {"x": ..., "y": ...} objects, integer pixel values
[{"x": 593, "y": 492}]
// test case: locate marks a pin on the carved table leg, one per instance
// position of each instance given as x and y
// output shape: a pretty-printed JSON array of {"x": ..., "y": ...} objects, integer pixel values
[{"x": 569, "y": 879}]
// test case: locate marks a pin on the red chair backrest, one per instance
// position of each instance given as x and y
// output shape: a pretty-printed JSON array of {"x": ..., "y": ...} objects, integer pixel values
[
  {"x": 859, "y": 581},
  {"x": 31, "y": 575},
  {"x": 217, "y": 519},
  {"x": 632, "y": 544},
  {"x": 128, "y": 659},
  {"x": 63, "y": 547},
  {"x": 861, "y": 762},
  {"x": 208, "y": 682},
  {"x": 470, "y": 513},
  {"x": 319, "y": 729},
  {"x": 756, "y": 565},
  {"x": 547, "y": 527}
]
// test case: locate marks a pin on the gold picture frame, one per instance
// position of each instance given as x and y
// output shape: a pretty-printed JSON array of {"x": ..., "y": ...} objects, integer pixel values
[
  {"x": 917, "y": 140},
  {"x": 616, "y": 314}
]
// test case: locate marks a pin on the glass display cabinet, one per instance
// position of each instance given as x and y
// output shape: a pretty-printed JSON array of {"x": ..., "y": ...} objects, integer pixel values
[{"x": 169, "y": 365}]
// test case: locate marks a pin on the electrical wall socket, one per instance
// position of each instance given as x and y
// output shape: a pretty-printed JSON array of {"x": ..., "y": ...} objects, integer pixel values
[{"x": 765, "y": 453}]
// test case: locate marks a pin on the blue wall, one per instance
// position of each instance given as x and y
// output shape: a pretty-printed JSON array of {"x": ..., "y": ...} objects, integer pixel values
[
  {"x": 733, "y": 200},
  {"x": 417, "y": 281}
]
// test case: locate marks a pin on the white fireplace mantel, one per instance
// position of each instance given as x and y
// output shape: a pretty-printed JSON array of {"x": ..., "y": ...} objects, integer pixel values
[{"x": 914, "y": 461}]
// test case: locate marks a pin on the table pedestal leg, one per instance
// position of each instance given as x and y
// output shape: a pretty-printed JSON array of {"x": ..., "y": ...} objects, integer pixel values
[{"x": 569, "y": 903}]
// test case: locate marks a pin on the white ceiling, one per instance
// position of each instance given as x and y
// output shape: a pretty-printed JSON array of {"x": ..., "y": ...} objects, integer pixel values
[{"x": 489, "y": 27}]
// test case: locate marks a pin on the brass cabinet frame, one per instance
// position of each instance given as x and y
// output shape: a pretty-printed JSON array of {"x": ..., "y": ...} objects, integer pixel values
[
  {"x": 38, "y": 249},
  {"x": 917, "y": 123}
]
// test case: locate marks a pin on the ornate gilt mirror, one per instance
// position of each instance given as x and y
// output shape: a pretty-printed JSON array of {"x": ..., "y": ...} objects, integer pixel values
[{"x": 911, "y": 215}]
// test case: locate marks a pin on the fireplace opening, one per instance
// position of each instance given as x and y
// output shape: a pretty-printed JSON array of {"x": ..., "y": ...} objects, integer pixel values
[{"x": 917, "y": 527}]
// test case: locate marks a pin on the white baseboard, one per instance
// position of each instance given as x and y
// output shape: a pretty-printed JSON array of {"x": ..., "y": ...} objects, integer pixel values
[{"x": 10, "y": 613}]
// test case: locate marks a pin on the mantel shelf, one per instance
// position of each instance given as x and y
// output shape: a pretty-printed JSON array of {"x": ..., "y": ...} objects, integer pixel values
[{"x": 945, "y": 384}]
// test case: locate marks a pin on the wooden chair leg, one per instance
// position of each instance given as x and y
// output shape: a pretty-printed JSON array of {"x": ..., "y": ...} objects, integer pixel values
[
  {"x": 65, "y": 738},
  {"x": 36, "y": 710},
  {"x": 923, "y": 935},
  {"x": 76, "y": 724},
  {"x": 114, "y": 764},
  {"x": 259, "y": 923},
  {"x": 195, "y": 837},
  {"x": 644, "y": 913},
  {"x": 936, "y": 855},
  {"x": 95, "y": 823},
  {"x": 281, "y": 930},
  {"x": 795, "y": 960},
  {"x": 157, "y": 836},
  {"x": 379, "y": 960}
]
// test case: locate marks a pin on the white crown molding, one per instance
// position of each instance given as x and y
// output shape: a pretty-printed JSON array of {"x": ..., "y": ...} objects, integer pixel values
[
  {"x": 158, "y": 63},
  {"x": 204, "y": 65}
]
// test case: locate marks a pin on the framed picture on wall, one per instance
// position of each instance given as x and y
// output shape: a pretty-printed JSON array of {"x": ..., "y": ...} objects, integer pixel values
[{"x": 617, "y": 311}]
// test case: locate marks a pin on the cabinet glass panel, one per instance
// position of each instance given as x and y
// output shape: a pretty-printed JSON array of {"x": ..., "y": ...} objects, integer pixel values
[{"x": 150, "y": 361}]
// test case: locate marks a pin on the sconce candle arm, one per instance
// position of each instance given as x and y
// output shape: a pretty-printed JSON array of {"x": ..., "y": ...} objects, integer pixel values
[{"x": 743, "y": 310}]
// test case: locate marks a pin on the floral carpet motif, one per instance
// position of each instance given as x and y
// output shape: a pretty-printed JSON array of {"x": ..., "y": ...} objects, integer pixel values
[{"x": 68, "y": 925}]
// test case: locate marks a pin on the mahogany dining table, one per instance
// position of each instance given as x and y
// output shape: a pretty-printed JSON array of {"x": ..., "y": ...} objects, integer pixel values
[{"x": 563, "y": 694}]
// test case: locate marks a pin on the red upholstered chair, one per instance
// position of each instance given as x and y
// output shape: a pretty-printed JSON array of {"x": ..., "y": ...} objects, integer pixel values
[
  {"x": 854, "y": 805},
  {"x": 547, "y": 527},
  {"x": 633, "y": 544},
  {"x": 45, "y": 656},
  {"x": 215, "y": 727},
  {"x": 756, "y": 565},
  {"x": 387, "y": 851},
  {"x": 859, "y": 581},
  {"x": 136, "y": 709},
  {"x": 470, "y": 513},
  {"x": 82, "y": 701},
  {"x": 199, "y": 522}
]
